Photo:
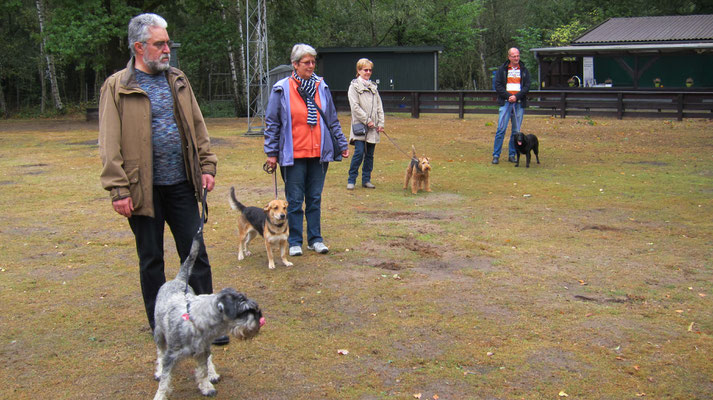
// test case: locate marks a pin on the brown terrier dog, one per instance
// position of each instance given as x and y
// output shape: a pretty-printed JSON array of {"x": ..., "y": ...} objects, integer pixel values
[
  {"x": 420, "y": 170},
  {"x": 270, "y": 222}
]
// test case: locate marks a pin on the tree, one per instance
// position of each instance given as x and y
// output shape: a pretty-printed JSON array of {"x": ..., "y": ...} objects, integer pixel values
[
  {"x": 238, "y": 93},
  {"x": 81, "y": 32},
  {"x": 51, "y": 74}
]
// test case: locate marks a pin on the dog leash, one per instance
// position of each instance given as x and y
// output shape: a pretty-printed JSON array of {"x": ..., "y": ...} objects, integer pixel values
[
  {"x": 271, "y": 170},
  {"x": 399, "y": 149},
  {"x": 204, "y": 219}
]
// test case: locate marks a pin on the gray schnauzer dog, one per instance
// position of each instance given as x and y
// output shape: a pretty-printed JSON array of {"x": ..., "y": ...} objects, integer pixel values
[{"x": 187, "y": 324}]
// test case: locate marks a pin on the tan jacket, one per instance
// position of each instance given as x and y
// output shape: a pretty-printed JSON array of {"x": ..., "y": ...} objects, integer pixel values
[
  {"x": 125, "y": 137},
  {"x": 365, "y": 103}
]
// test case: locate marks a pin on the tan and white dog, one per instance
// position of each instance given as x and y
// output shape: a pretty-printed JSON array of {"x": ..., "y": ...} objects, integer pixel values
[{"x": 270, "y": 222}]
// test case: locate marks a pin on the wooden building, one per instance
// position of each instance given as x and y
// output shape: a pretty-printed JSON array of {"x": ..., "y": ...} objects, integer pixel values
[
  {"x": 395, "y": 68},
  {"x": 634, "y": 53}
]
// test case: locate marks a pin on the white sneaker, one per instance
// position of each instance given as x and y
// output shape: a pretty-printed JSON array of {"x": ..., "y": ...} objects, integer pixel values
[
  {"x": 319, "y": 247},
  {"x": 295, "y": 251}
]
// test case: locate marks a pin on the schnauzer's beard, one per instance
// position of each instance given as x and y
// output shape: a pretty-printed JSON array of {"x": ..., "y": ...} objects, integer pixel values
[
  {"x": 157, "y": 65},
  {"x": 247, "y": 330}
]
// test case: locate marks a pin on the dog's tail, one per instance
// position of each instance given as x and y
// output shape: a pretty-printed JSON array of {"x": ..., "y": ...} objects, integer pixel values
[
  {"x": 413, "y": 151},
  {"x": 234, "y": 203},
  {"x": 185, "y": 272}
]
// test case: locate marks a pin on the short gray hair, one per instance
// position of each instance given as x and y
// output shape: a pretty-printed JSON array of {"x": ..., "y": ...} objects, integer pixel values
[
  {"x": 300, "y": 50},
  {"x": 139, "y": 28}
]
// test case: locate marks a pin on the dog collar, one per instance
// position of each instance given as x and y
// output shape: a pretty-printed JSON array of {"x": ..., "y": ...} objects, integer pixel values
[{"x": 275, "y": 232}]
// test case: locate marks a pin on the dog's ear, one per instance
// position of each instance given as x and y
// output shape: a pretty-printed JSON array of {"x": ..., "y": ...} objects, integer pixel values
[
  {"x": 267, "y": 207},
  {"x": 229, "y": 301}
]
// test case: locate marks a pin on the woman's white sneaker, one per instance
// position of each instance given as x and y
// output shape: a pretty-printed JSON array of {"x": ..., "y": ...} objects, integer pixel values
[{"x": 319, "y": 247}]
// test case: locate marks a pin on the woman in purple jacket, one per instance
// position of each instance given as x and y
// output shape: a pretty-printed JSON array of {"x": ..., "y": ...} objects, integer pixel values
[{"x": 302, "y": 142}]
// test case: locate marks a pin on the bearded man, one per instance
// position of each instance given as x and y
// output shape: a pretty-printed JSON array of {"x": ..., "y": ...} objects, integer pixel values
[{"x": 156, "y": 156}]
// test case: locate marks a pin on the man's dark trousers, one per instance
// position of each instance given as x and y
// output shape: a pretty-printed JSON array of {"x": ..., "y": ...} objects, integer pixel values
[{"x": 175, "y": 205}]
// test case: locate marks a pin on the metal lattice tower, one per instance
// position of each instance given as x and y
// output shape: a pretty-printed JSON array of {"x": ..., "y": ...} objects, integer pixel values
[{"x": 257, "y": 75}]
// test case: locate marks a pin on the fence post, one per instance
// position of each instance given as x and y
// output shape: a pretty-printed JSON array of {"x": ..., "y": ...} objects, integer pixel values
[
  {"x": 620, "y": 106},
  {"x": 563, "y": 105},
  {"x": 680, "y": 106},
  {"x": 414, "y": 105},
  {"x": 461, "y": 105}
]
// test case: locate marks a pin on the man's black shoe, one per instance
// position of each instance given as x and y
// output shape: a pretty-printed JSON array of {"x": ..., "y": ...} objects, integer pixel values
[
  {"x": 221, "y": 341},
  {"x": 495, "y": 160},
  {"x": 512, "y": 159}
]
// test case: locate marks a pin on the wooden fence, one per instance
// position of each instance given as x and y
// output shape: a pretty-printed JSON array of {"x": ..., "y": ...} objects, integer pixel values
[{"x": 560, "y": 103}]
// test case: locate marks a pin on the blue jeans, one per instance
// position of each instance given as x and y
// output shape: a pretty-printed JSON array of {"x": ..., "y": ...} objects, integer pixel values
[
  {"x": 510, "y": 111},
  {"x": 176, "y": 206},
  {"x": 362, "y": 151},
  {"x": 303, "y": 184}
]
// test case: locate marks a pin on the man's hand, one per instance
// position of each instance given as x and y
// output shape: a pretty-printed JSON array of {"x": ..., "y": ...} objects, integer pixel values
[
  {"x": 345, "y": 153},
  {"x": 124, "y": 206},
  {"x": 512, "y": 98},
  {"x": 208, "y": 181}
]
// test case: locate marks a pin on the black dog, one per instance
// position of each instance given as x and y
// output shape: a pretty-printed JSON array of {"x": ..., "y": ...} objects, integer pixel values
[{"x": 524, "y": 144}]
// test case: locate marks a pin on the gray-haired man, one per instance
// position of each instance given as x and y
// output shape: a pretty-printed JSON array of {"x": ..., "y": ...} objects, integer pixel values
[{"x": 156, "y": 155}]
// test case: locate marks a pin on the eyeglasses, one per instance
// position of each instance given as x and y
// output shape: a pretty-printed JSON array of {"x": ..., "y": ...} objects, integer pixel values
[
  {"x": 311, "y": 62},
  {"x": 160, "y": 45}
]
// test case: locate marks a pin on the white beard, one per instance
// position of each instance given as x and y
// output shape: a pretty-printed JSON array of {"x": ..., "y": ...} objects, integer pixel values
[{"x": 158, "y": 65}]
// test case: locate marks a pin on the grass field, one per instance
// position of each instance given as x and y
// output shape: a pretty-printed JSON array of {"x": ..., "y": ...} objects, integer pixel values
[{"x": 588, "y": 276}]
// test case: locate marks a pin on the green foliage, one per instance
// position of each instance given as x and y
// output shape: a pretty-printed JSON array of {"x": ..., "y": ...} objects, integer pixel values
[
  {"x": 217, "y": 109},
  {"x": 79, "y": 32},
  {"x": 565, "y": 34},
  {"x": 527, "y": 39},
  {"x": 90, "y": 35}
]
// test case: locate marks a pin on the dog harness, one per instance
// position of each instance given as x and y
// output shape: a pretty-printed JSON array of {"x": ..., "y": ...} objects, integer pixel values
[{"x": 416, "y": 164}]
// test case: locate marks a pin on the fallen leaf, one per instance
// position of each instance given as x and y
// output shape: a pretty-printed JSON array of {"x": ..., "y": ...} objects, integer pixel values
[
  {"x": 642, "y": 394},
  {"x": 690, "y": 327},
  {"x": 620, "y": 358},
  {"x": 343, "y": 352},
  {"x": 489, "y": 354},
  {"x": 417, "y": 396},
  {"x": 435, "y": 397},
  {"x": 636, "y": 367},
  {"x": 563, "y": 394},
  {"x": 702, "y": 294}
]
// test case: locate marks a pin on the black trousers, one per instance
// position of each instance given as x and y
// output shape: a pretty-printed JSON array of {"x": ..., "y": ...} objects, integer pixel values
[{"x": 176, "y": 206}]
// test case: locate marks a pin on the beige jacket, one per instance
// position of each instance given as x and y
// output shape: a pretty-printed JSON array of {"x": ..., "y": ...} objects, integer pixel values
[
  {"x": 125, "y": 137},
  {"x": 365, "y": 103}
]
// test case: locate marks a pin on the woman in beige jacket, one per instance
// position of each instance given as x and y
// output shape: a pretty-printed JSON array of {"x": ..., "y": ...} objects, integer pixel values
[{"x": 367, "y": 123}]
